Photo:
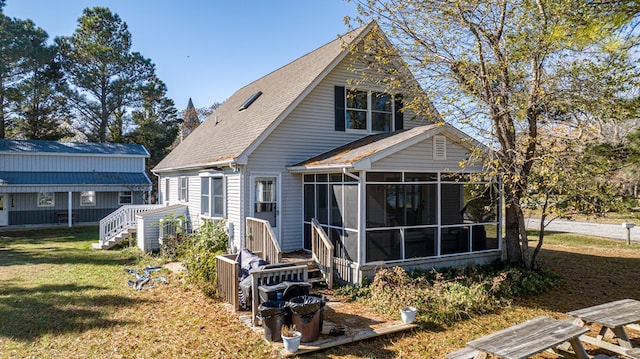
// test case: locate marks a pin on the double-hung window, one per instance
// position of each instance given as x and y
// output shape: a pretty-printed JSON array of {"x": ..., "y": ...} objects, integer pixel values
[
  {"x": 369, "y": 111},
  {"x": 184, "y": 189},
  {"x": 212, "y": 197}
]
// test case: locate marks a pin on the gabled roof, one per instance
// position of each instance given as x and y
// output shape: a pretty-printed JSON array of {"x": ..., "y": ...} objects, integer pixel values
[
  {"x": 228, "y": 135},
  {"x": 361, "y": 153},
  {"x": 72, "y": 148}
]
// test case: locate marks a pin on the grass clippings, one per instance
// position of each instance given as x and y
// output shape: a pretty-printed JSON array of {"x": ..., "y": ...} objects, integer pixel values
[{"x": 61, "y": 299}]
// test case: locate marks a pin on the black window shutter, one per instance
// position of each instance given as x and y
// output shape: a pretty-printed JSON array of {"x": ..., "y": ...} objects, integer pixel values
[
  {"x": 339, "y": 103},
  {"x": 399, "y": 122}
]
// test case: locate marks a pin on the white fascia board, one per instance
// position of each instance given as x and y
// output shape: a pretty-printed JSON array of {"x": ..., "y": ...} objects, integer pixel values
[{"x": 228, "y": 163}]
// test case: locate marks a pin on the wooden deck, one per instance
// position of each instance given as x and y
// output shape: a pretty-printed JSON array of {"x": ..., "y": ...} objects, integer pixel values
[{"x": 359, "y": 322}]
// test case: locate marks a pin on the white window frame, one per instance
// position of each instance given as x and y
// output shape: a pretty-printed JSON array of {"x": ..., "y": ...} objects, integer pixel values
[
  {"x": 183, "y": 189},
  {"x": 369, "y": 112},
  {"x": 44, "y": 195},
  {"x": 167, "y": 186},
  {"x": 125, "y": 194},
  {"x": 88, "y": 194},
  {"x": 210, "y": 197}
]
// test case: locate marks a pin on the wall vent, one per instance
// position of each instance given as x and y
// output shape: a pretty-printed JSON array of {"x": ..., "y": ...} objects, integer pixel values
[{"x": 439, "y": 147}]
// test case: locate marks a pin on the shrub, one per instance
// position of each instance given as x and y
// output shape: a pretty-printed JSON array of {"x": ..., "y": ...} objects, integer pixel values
[
  {"x": 173, "y": 242},
  {"x": 200, "y": 255},
  {"x": 452, "y": 295}
]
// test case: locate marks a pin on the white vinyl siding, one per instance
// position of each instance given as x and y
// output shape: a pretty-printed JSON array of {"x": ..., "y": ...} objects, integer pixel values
[{"x": 421, "y": 156}]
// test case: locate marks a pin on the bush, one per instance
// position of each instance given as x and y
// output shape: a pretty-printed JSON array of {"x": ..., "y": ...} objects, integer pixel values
[
  {"x": 452, "y": 295},
  {"x": 200, "y": 255}
]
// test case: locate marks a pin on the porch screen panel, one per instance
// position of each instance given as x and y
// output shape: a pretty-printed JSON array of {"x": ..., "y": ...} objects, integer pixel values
[
  {"x": 335, "y": 197},
  {"x": 322, "y": 205},
  {"x": 451, "y": 203},
  {"x": 480, "y": 203},
  {"x": 376, "y": 206},
  {"x": 420, "y": 242},
  {"x": 383, "y": 245},
  {"x": 420, "y": 204},
  {"x": 350, "y": 210},
  {"x": 309, "y": 208},
  {"x": 455, "y": 240},
  {"x": 350, "y": 243}
]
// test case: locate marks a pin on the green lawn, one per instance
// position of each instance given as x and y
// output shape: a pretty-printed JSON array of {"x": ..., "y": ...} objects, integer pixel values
[{"x": 61, "y": 299}]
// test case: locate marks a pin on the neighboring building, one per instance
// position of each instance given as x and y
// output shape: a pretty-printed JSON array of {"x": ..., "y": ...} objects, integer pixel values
[
  {"x": 190, "y": 121},
  {"x": 48, "y": 182},
  {"x": 312, "y": 140}
]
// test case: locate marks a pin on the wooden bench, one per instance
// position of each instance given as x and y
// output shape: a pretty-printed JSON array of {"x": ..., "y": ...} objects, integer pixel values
[
  {"x": 63, "y": 217},
  {"x": 464, "y": 353}
]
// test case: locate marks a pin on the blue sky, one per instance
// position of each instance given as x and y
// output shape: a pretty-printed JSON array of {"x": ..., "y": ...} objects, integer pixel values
[{"x": 206, "y": 49}]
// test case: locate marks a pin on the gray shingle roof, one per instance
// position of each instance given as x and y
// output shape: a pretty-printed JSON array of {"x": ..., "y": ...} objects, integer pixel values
[
  {"x": 33, "y": 146},
  {"x": 228, "y": 133}
]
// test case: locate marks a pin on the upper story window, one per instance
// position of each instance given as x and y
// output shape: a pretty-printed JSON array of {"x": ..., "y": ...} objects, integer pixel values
[{"x": 367, "y": 111}]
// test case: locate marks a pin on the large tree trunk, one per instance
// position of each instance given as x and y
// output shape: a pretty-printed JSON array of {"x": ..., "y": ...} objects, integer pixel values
[{"x": 512, "y": 233}]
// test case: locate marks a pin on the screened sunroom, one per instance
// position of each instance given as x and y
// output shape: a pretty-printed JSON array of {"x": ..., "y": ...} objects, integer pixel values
[{"x": 426, "y": 217}]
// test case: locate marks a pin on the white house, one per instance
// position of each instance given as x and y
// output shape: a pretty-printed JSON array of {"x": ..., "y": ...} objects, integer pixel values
[{"x": 305, "y": 142}]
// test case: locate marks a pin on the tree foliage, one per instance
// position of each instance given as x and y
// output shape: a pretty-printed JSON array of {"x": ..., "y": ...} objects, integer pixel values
[
  {"x": 507, "y": 70},
  {"x": 106, "y": 77}
]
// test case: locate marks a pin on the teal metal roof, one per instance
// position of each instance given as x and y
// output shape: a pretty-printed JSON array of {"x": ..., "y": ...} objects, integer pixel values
[
  {"x": 72, "y": 178},
  {"x": 86, "y": 148}
]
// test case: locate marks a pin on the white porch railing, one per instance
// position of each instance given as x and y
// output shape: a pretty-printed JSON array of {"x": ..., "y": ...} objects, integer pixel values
[
  {"x": 322, "y": 251},
  {"x": 122, "y": 219},
  {"x": 260, "y": 238}
]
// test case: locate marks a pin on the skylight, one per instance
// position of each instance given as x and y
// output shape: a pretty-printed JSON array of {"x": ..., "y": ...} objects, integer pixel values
[{"x": 250, "y": 100}]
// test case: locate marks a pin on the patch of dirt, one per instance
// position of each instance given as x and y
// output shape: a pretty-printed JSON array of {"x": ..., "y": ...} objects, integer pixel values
[{"x": 175, "y": 267}]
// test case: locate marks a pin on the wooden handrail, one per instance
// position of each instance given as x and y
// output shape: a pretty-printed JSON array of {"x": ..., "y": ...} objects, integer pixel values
[
  {"x": 322, "y": 251},
  {"x": 261, "y": 238}
]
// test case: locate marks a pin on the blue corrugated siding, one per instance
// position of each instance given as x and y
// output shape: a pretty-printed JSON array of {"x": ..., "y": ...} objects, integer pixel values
[{"x": 50, "y": 216}]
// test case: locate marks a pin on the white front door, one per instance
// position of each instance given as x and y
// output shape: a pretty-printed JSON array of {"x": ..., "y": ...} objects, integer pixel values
[
  {"x": 265, "y": 199},
  {"x": 4, "y": 211}
]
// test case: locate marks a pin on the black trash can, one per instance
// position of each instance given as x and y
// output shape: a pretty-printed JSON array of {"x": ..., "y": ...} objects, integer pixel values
[
  {"x": 323, "y": 302},
  {"x": 306, "y": 311},
  {"x": 274, "y": 313}
]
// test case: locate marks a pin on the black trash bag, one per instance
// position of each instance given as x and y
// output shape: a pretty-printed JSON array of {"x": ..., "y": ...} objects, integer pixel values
[
  {"x": 274, "y": 314},
  {"x": 305, "y": 306}
]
